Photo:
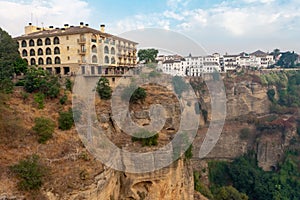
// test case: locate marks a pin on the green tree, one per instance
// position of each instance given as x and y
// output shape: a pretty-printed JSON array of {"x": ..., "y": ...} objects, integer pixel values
[
  {"x": 230, "y": 193},
  {"x": 147, "y": 55},
  {"x": 133, "y": 94},
  {"x": 31, "y": 172},
  {"x": 8, "y": 57},
  {"x": 20, "y": 66},
  {"x": 288, "y": 60},
  {"x": 271, "y": 95},
  {"x": 103, "y": 88},
  {"x": 44, "y": 128},
  {"x": 65, "y": 120},
  {"x": 39, "y": 80}
]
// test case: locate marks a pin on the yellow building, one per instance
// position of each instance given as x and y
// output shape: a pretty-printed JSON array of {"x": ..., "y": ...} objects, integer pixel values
[{"x": 73, "y": 49}]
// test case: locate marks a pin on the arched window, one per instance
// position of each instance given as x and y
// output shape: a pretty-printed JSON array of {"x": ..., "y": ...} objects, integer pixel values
[
  {"x": 94, "y": 49},
  {"x": 32, "y": 52},
  {"x": 41, "y": 61},
  {"x": 106, "y": 60},
  {"x": 31, "y": 43},
  {"x": 40, "y": 52},
  {"x": 49, "y": 61},
  {"x": 94, "y": 59},
  {"x": 106, "y": 50},
  {"x": 56, "y": 40},
  {"x": 24, "y": 43},
  {"x": 94, "y": 38},
  {"x": 32, "y": 61},
  {"x": 57, "y": 60},
  {"x": 112, "y": 51},
  {"x": 113, "y": 60},
  {"x": 39, "y": 42},
  {"x": 48, "y": 51},
  {"x": 56, "y": 50},
  {"x": 24, "y": 53},
  {"x": 48, "y": 41}
]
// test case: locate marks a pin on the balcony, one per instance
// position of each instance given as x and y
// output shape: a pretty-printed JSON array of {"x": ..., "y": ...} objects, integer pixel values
[
  {"x": 81, "y": 61},
  {"x": 81, "y": 51},
  {"x": 81, "y": 41}
]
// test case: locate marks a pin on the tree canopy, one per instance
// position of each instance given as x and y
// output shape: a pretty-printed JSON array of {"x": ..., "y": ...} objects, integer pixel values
[
  {"x": 8, "y": 57},
  {"x": 147, "y": 55}
]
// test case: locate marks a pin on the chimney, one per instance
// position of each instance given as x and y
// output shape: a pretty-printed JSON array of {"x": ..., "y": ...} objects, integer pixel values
[
  {"x": 51, "y": 27},
  {"x": 102, "y": 28},
  {"x": 86, "y": 24},
  {"x": 81, "y": 24},
  {"x": 66, "y": 25},
  {"x": 30, "y": 24}
]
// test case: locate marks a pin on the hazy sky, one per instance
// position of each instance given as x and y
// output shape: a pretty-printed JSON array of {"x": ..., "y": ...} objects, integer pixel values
[{"x": 219, "y": 26}]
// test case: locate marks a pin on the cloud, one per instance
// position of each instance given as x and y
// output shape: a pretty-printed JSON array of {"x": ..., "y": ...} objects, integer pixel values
[{"x": 53, "y": 12}]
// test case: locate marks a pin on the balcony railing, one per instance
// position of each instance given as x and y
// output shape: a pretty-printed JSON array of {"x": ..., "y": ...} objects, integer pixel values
[
  {"x": 81, "y": 51},
  {"x": 81, "y": 41}
]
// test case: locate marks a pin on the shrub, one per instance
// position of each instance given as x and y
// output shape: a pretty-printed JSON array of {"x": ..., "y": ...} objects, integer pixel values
[
  {"x": 244, "y": 133},
  {"x": 69, "y": 84},
  {"x": 103, "y": 88},
  {"x": 138, "y": 94},
  {"x": 271, "y": 95},
  {"x": 31, "y": 173},
  {"x": 148, "y": 141},
  {"x": 25, "y": 95},
  {"x": 200, "y": 187},
  {"x": 63, "y": 99},
  {"x": 65, "y": 120},
  {"x": 20, "y": 83},
  {"x": 39, "y": 99},
  {"x": 154, "y": 74},
  {"x": 44, "y": 128},
  {"x": 189, "y": 152}
]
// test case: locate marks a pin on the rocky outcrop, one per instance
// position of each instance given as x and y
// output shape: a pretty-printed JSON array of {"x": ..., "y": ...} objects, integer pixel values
[{"x": 173, "y": 182}]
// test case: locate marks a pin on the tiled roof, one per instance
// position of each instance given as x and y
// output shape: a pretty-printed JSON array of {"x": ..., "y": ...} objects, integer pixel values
[{"x": 69, "y": 31}]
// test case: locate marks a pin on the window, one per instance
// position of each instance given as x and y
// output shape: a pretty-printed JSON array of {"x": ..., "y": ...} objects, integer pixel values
[
  {"x": 32, "y": 61},
  {"x": 31, "y": 43},
  {"x": 112, "y": 51},
  {"x": 24, "y": 53},
  {"x": 49, "y": 61},
  {"x": 106, "y": 50},
  {"x": 39, "y": 42},
  {"x": 48, "y": 51},
  {"x": 57, "y": 60},
  {"x": 24, "y": 43},
  {"x": 32, "y": 52},
  {"x": 68, "y": 57},
  {"x": 48, "y": 41},
  {"x": 68, "y": 48},
  {"x": 56, "y": 50},
  {"x": 67, "y": 38},
  {"x": 106, "y": 59},
  {"x": 94, "y": 59},
  {"x": 41, "y": 61},
  {"x": 94, "y": 49},
  {"x": 40, "y": 52},
  {"x": 56, "y": 40},
  {"x": 92, "y": 70},
  {"x": 82, "y": 69},
  {"x": 113, "y": 60},
  {"x": 94, "y": 38}
]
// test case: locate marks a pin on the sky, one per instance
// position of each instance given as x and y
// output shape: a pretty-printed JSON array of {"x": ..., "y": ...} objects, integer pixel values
[{"x": 217, "y": 25}]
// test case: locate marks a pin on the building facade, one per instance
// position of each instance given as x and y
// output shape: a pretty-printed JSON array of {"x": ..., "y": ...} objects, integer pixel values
[{"x": 77, "y": 50}]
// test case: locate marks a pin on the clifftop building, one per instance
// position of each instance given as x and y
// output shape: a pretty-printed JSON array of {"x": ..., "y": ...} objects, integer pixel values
[{"x": 73, "y": 49}]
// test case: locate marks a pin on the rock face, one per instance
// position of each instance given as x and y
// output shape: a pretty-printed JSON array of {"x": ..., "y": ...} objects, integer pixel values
[{"x": 173, "y": 182}]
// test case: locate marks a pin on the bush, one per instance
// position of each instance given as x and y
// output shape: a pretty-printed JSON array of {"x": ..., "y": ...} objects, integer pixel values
[
  {"x": 39, "y": 99},
  {"x": 39, "y": 80},
  {"x": 31, "y": 173},
  {"x": 65, "y": 120},
  {"x": 154, "y": 74},
  {"x": 189, "y": 152},
  {"x": 271, "y": 95},
  {"x": 200, "y": 187},
  {"x": 63, "y": 99},
  {"x": 244, "y": 133},
  {"x": 69, "y": 84},
  {"x": 148, "y": 141},
  {"x": 103, "y": 88},
  {"x": 44, "y": 128},
  {"x": 138, "y": 94}
]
